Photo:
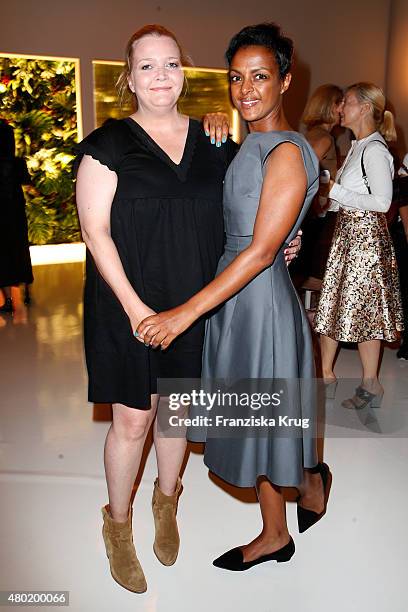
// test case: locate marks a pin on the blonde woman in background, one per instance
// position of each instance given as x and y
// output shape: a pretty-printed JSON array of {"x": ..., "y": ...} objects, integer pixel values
[
  {"x": 360, "y": 299},
  {"x": 321, "y": 115}
]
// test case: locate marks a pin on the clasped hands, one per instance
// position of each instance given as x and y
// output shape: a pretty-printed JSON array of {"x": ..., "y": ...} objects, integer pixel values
[{"x": 163, "y": 328}]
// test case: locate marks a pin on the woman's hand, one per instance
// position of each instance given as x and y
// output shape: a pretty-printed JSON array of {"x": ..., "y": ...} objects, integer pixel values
[
  {"x": 324, "y": 188},
  {"x": 292, "y": 251},
  {"x": 161, "y": 329},
  {"x": 216, "y": 126},
  {"x": 137, "y": 315}
]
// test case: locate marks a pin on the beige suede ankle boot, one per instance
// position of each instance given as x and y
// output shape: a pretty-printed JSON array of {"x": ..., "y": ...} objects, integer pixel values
[
  {"x": 124, "y": 564},
  {"x": 167, "y": 540}
]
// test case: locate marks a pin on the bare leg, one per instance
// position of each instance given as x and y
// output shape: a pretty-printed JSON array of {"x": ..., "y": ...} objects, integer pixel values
[
  {"x": 12, "y": 304},
  {"x": 123, "y": 451},
  {"x": 20, "y": 310},
  {"x": 6, "y": 300},
  {"x": 274, "y": 534},
  {"x": 169, "y": 454},
  {"x": 328, "y": 347},
  {"x": 27, "y": 296},
  {"x": 370, "y": 356}
]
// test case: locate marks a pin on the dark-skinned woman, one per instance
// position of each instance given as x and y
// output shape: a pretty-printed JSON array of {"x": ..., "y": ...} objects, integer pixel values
[
  {"x": 260, "y": 329},
  {"x": 149, "y": 195}
]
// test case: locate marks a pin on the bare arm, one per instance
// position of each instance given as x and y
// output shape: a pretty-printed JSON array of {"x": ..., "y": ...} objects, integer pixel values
[
  {"x": 282, "y": 196},
  {"x": 321, "y": 144},
  {"x": 95, "y": 190}
]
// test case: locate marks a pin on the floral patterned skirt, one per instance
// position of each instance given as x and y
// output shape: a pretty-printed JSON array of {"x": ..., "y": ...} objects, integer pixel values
[{"x": 360, "y": 298}]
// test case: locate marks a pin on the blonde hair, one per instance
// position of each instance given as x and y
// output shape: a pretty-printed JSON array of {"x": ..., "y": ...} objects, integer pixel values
[
  {"x": 122, "y": 84},
  {"x": 373, "y": 95},
  {"x": 319, "y": 108}
]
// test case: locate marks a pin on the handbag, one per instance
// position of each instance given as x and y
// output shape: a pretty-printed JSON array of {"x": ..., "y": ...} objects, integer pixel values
[
  {"x": 399, "y": 183},
  {"x": 400, "y": 188}
]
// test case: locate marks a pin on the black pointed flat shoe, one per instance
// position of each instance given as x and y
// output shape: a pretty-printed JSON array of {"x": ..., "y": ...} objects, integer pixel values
[
  {"x": 307, "y": 518},
  {"x": 233, "y": 560}
]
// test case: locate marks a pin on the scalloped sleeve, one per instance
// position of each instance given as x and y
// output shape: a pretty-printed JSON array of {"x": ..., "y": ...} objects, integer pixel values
[{"x": 100, "y": 145}]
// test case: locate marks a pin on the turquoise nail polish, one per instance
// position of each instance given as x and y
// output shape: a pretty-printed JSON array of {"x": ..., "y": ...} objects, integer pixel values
[
  {"x": 218, "y": 144},
  {"x": 207, "y": 133},
  {"x": 135, "y": 333},
  {"x": 224, "y": 139},
  {"x": 212, "y": 140}
]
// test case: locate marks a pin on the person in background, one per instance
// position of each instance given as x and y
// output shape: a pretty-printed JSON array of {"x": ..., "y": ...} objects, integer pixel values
[
  {"x": 321, "y": 115},
  {"x": 15, "y": 261},
  {"x": 360, "y": 298},
  {"x": 399, "y": 233}
]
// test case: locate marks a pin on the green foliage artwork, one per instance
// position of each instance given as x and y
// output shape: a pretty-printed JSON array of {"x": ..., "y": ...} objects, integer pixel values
[{"x": 38, "y": 98}]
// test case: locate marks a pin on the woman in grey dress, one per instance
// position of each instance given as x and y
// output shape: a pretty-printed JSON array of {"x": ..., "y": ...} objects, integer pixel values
[{"x": 261, "y": 330}]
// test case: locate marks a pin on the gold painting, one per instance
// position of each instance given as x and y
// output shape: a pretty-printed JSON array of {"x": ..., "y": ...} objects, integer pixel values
[{"x": 207, "y": 91}]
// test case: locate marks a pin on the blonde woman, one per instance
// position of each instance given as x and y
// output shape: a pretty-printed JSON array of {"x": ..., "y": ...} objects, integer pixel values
[
  {"x": 360, "y": 299},
  {"x": 149, "y": 195},
  {"x": 259, "y": 329},
  {"x": 321, "y": 115}
]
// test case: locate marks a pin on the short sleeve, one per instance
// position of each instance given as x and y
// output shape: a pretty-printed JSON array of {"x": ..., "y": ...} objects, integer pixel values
[
  {"x": 100, "y": 145},
  {"x": 274, "y": 139},
  {"x": 268, "y": 142}
]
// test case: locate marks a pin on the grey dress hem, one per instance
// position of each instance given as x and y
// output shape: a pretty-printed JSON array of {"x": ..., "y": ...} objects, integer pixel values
[{"x": 277, "y": 340}]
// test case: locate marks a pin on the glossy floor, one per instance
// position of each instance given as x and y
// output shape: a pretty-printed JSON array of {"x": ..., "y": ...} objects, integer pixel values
[{"x": 52, "y": 488}]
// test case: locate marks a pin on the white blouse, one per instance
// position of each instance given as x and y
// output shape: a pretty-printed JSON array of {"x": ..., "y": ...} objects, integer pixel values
[{"x": 349, "y": 190}]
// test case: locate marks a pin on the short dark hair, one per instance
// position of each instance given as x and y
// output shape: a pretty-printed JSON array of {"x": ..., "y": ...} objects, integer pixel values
[{"x": 267, "y": 35}]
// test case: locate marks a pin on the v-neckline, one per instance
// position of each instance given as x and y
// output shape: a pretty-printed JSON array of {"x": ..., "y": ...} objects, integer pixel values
[{"x": 183, "y": 166}]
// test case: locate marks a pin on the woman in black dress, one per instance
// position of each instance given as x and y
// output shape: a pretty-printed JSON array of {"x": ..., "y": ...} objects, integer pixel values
[
  {"x": 149, "y": 194},
  {"x": 259, "y": 331},
  {"x": 15, "y": 262}
]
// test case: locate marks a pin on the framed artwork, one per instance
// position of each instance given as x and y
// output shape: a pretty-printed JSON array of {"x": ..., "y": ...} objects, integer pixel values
[
  {"x": 207, "y": 91},
  {"x": 40, "y": 98}
]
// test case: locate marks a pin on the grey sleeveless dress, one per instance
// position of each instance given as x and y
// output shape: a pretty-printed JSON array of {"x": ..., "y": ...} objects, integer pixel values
[{"x": 262, "y": 332}]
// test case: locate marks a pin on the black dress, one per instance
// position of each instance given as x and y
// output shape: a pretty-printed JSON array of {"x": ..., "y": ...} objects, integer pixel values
[
  {"x": 15, "y": 262},
  {"x": 167, "y": 225}
]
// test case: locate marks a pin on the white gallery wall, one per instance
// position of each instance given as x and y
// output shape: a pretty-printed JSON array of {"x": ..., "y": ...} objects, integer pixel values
[
  {"x": 341, "y": 41},
  {"x": 397, "y": 73}
]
